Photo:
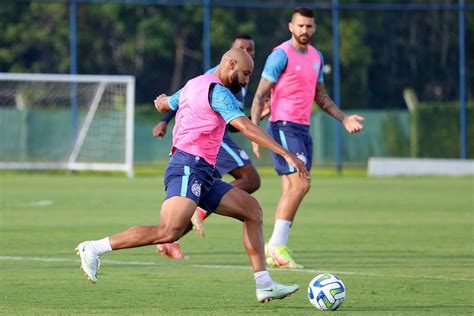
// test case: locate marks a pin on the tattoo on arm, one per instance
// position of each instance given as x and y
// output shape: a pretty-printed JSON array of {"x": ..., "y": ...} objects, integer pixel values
[
  {"x": 263, "y": 90},
  {"x": 324, "y": 101}
]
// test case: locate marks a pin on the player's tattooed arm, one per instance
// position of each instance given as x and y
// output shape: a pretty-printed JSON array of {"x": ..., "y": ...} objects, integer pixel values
[
  {"x": 266, "y": 106},
  {"x": 352, "y": 123},
  {"x": 324, "y": 101},
  {"x": 263, "y": 91}
]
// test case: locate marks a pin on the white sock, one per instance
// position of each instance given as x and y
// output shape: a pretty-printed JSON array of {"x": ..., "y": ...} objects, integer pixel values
[
  {"x": 101, "y": 246},
  {"x": 263, "y": 280},
  {"x": 281, "y": 231}
]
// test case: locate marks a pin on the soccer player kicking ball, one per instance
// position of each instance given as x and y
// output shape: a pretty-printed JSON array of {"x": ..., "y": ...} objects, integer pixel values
[
  {"x": 205, "y": 104},
  {"x": 231, "y": 159}
]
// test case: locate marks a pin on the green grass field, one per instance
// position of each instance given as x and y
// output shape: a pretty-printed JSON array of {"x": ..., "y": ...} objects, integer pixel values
[{"x": 402, "y": 246}]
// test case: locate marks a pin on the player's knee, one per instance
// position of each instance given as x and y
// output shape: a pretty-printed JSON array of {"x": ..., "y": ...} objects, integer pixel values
[
  {"x": 252, "y": 182},
  {"x": 254, "y": 211},
  {"x": 302, "y": 186},
  {"x": 169, "y": 234},
  {"x": 174, "y": 235},
  {"x": 248, "y": 179},
  {"x": 249, "y": 209},
  {"x": 306, "y": 186},
  {"x": 256, "y": 216}
]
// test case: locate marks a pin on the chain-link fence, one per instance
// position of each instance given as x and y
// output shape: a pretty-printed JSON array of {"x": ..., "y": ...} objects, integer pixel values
[{"x": 400, "y": 63}]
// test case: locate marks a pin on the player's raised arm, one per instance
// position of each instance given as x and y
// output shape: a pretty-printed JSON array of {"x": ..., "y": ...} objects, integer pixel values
[
  {"x": 161, "y": 103},
  {"x": 323, "y": 100},
  {"x": 164, "y": 103},
  {"x": 258, "y": 136}
]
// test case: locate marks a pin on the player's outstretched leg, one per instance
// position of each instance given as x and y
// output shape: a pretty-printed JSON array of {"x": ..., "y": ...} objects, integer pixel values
[
  {"x": 89, "y": 260},
  {"x": 173, "y": 250},
  {"x": 242, "y": 206},
  {"x": 175, "y": 219},
  {"x": 246, "y": 178}
]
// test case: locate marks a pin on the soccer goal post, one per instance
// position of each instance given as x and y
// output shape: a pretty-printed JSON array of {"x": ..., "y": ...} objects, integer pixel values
[{"x": 71, "y": 122}]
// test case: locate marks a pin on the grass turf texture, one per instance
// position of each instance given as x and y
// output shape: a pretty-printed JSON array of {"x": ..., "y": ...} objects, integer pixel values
[{"x": 401, "y": 246}]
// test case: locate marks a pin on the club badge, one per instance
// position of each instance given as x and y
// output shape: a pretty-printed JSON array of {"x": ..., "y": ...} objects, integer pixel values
[{"x": 196, "y": 189}]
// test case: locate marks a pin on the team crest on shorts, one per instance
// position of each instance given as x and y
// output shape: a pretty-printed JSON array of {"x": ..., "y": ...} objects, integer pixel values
[
  {"x": 196, "y": 189},
  {"x": 302, "y": 157},
  {"x": 244, "y": 155}
]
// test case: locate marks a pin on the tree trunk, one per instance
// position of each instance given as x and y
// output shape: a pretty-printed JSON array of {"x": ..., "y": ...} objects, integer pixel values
[{"x": 179, "y": 61}]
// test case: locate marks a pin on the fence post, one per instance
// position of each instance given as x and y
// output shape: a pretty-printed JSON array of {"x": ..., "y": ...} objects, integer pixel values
[
  {"x": 207, "y": 35},
  {"x": 462, "y": 78},
  {"x": 337, "y": 80},
  {"x": 73, "y": 65}
]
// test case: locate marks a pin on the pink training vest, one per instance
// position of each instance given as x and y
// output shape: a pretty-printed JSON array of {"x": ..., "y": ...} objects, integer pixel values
[
  {"x": 293, "y": 94},
  {"x": 198, "y": 128}
]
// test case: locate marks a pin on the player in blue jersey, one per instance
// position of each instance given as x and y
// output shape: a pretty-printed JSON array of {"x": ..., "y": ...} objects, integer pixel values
[
  {"x": 204, "y": 107},
  {"x": 231, "y": 159},
  {"x": 293, "y": 73}
]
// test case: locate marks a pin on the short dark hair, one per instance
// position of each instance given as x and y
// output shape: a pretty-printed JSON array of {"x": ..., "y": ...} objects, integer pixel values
[
  {"x": 304, "y": 12},
  {"x": 243, "y": 36}
]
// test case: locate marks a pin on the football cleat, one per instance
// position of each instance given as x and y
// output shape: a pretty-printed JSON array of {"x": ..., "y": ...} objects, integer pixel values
[
  {"x": 197, "y": 220},
  {"x": 280, "y": 257},
  {"x": 172, "y": 250},
  {"x": 90, "y": 262},
  {"x": 276, "y": 292}
]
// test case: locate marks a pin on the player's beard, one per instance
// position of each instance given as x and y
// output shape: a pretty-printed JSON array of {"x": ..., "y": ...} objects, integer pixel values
[
  {"x": 303, "y": 40},
  {"x": 235, "y": 85}
]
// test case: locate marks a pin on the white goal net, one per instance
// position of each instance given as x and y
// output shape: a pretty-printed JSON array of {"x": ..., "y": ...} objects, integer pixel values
[{"x": 72, "y": 122}]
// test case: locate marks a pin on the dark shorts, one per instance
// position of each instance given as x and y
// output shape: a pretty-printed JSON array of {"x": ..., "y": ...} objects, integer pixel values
[
  {"x": 230, "y": 157},
  {"x": 294, "y": 137},
  {"x": 192, "y": 177}
]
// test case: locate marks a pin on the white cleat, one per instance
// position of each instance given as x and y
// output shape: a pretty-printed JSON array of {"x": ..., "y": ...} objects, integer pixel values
[
  {"x": 276, "y": 292},
  {"x": 89, "y": 261}
]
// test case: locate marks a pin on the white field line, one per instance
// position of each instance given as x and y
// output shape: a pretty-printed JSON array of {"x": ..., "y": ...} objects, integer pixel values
[
  {"x": 233, "y": 267},
  {"x": 39, "y": 203}
]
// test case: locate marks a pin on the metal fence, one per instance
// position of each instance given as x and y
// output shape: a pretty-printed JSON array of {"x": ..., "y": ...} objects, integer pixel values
[{"x": 377, "y": 54}]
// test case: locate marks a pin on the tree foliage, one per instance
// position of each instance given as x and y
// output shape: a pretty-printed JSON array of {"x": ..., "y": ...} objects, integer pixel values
[{"x": 381, "y": 52}]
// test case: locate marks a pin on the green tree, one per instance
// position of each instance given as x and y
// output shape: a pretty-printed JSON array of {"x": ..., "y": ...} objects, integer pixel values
[{"x": 35, "y": 37}]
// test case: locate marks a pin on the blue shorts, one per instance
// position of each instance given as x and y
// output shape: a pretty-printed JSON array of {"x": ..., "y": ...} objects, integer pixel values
[
  {"x": 230, "y": 157},
  {"x": 294, "y": 137},
  {"x": 192, "y": 177}
]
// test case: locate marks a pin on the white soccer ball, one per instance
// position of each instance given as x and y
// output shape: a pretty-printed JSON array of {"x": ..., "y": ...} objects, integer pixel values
[{"x": 326, "y": 292}]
